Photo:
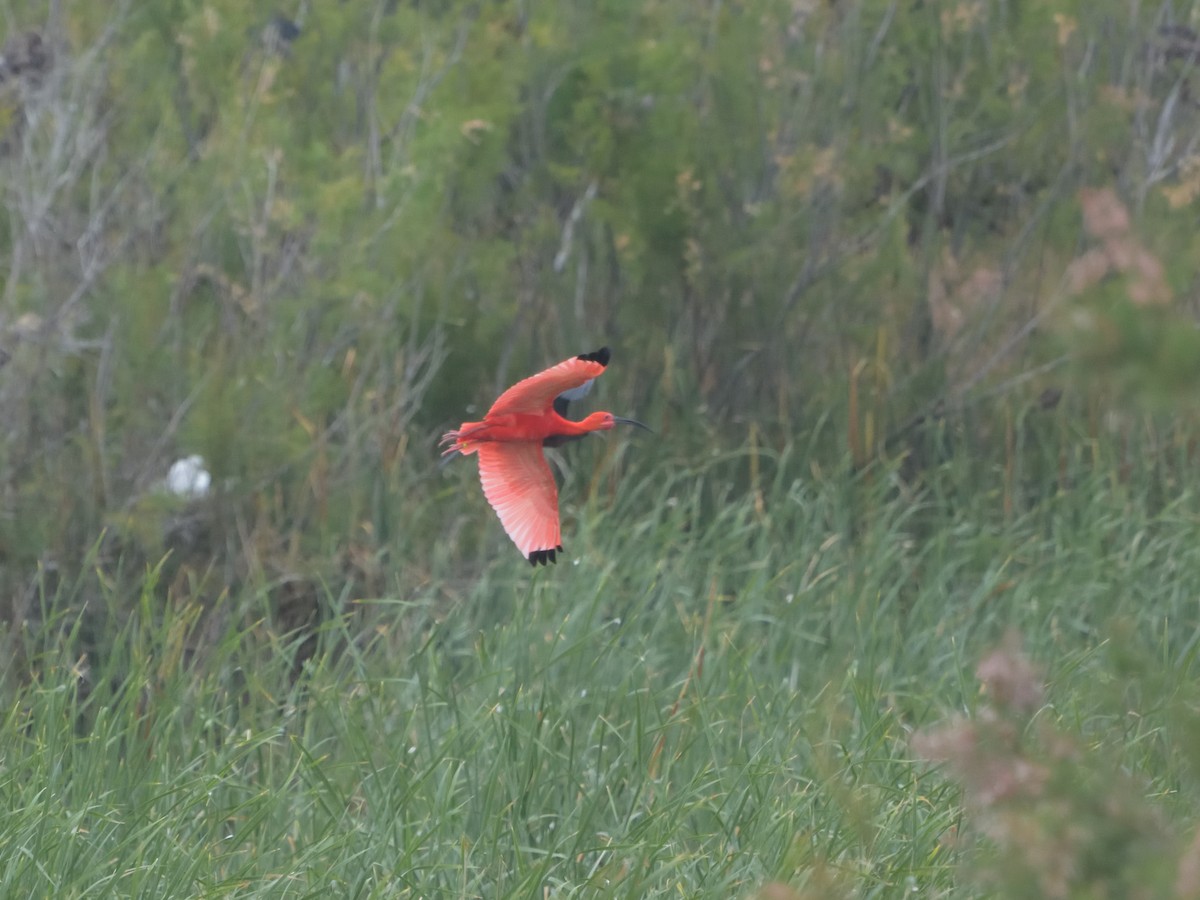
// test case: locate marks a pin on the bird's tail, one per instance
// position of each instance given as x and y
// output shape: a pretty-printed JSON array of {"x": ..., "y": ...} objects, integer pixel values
[{"x": 459, "y": 441}]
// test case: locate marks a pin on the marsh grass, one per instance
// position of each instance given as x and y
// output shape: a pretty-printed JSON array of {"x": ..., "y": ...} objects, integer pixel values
[
  {"x": 715, "y": 692},
  {"x": 300, "y": 248}
]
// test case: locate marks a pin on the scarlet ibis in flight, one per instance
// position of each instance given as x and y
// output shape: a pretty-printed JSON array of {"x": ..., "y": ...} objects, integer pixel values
[{"x": 528, "y": 416}]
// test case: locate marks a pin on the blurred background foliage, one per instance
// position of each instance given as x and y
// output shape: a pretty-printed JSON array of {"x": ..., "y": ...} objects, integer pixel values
[{"x": 301, "y": 241}]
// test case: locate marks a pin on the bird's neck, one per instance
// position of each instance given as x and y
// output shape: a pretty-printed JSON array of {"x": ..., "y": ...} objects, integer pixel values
[{"x": 595, "y": 422}]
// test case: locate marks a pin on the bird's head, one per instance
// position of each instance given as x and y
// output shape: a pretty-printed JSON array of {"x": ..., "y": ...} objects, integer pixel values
[{"x": 604, "y": 421}]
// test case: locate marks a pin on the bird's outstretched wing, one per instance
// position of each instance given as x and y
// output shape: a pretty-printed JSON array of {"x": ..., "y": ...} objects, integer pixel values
[
  {"x": 537, "y": 393},
  {"x": 520, "y": 488},
  {"x": 563, "y": 401}
]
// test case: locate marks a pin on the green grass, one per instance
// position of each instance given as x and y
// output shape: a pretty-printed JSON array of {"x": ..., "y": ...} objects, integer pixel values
[
  {"x": 963, "y": 232},
  {"x": 711, "y": 694}
]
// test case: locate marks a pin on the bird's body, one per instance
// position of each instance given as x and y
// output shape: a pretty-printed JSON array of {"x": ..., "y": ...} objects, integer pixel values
[
  {"x": 515, "y": 477},
  {"x": 509, "y": 427}
]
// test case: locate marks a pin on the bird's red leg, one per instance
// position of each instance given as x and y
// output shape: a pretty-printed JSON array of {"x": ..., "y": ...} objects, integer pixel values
[{"x": 456, "y": 441}]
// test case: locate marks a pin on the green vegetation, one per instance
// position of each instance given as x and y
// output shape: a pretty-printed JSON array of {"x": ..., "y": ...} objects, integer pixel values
[
  {"x": 900, "y": 599},
  {"x": 709, "y": 696}
]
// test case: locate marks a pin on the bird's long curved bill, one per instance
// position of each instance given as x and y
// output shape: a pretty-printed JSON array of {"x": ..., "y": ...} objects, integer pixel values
[{"x": 634, "y": 422}]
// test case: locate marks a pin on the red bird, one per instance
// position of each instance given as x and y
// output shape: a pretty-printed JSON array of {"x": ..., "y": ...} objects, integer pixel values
[{"x": 528, "y": 416}]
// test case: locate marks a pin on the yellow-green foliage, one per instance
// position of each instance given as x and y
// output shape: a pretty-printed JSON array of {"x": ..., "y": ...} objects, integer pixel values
[
  {"x": 905, "y": 290},
  {"x": 301, "y": 247}
]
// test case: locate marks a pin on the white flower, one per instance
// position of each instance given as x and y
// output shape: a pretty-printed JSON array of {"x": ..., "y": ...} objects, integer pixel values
[{"x": 188, "y": 477}]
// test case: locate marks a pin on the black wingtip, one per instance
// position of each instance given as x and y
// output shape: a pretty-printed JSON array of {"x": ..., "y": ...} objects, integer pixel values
[
  {"x": 601, "y": 356},
  {"x": 544, "y": 557}
]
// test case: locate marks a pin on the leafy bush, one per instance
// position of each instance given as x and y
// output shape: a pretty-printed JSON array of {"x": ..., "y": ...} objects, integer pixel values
[{"x": 949, "y": 247}]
